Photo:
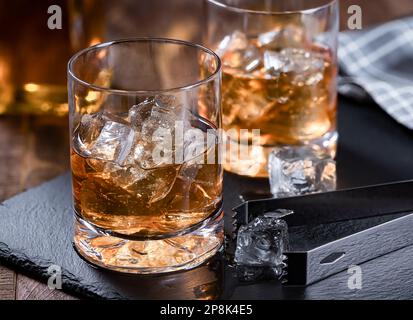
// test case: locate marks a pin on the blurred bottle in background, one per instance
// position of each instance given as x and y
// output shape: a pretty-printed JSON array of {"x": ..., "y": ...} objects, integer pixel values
[
  {"x": 94, "y": 21},
  {"x": 32, "y": 58}
]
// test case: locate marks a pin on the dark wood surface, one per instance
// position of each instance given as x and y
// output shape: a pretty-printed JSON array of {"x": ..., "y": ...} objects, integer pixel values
[{"x": 35, "y": 149}]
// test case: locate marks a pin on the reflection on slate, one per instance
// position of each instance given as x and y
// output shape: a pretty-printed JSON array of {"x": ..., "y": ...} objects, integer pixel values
[{"x": 36, "y": 230}]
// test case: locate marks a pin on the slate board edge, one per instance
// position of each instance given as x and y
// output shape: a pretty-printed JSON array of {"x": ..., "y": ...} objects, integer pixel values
[{"x": 14, "y": 258}]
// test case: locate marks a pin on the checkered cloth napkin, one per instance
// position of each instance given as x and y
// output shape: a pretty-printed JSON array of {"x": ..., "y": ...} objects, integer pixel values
[{"x": 378, "y": 64}]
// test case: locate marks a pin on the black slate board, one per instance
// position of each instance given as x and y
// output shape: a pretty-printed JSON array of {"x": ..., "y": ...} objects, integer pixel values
[{"x": 36, "y": 230}]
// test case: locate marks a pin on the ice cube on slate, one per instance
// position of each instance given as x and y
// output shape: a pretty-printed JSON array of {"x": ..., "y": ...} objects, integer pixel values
[
  {"x": 301, "y": 170},
  {"x": 261, "y": 243}
]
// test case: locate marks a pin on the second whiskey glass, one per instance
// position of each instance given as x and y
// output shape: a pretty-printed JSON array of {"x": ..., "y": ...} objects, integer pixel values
[{"x": 279, "y": 76}]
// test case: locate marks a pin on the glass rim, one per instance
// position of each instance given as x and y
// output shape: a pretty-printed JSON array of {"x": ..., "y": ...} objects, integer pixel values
[
  {"x": 220, "y": 3},
  {"x": 107, "y": 44}
]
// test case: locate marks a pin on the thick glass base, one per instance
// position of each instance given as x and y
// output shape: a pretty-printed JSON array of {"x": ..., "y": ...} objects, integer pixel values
[
  {"x": 252, "y": 161},
  {"x": 149, "y": 256}
]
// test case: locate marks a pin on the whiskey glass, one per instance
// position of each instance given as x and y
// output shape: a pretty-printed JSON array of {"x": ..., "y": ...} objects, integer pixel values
[
  {"x": 145, "y": 119},
  {"x": 279, "y": 70}
]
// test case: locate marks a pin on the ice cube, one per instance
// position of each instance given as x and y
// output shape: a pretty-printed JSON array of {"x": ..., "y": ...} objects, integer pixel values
[
  {"x": 274, "y": 62},
  {"x": 166, "y": 133},
  {"x": 149, "y": 185},
  {"x": 195, "y": 145},
  {"x": 248, "y": 273},
  {"x": 161, "y": 182},
  {"x": 105, "y": 137},
  {"x": 124, "y": 177},
  {"x": 139, "y": 113},
  {"x": 306, "y": 67},
  {"x": 314, "y": 79},
  {"x": 296, "y": 60},
  {"x": 167, "y": 102},
  {"x": 165, "y": 109},
  {"x": 89, "y": 130},
  {"x": 246, "y": 60},
  {"x": 194, "y": 156},
  {"x": 114, "y": 142},
  {"x": 126, "y": 146},
  {"x": 290, "y": 35},
  {"x": 294, "y": 35},
  {"x": 261, "y": 243},
  {"x": 270, "y": 37},
  {"x": 233, "y": 42},
  {"x": 150, "y": 155},
  {"x": 236, "y": 52},
  {"x": 247, "y": 159},
  {"x": 165, "y": 113},
  {"x": 301, "y": 170},
  {"x": 157, "y": 118}
]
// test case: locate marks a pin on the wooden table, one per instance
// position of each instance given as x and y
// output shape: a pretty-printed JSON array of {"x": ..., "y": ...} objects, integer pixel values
[{"x": 35, "y": 149}]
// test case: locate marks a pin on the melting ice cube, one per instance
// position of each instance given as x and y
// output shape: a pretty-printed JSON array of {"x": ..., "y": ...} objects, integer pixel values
[
  {"x": 233, "y": 42},
  {"x": 159, "y": 121},
  {"x": 89, "y": 130},
  {"x": 301, "y": 170},
  {"x": 261, "y": 243},
  {"x": 274, "y": 62},
  {"x": 236, "y": 52},
  {"x": 269, "y": 37},
  {"x": 105, "y": 139},
  {"x": 307, "y": 67},
  {"x": 285, "y": 36},
  {"x": 304, "y": 66}
]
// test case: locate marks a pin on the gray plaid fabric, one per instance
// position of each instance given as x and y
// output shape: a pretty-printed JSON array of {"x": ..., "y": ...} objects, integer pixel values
[{"x": 378, "y": 62}]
